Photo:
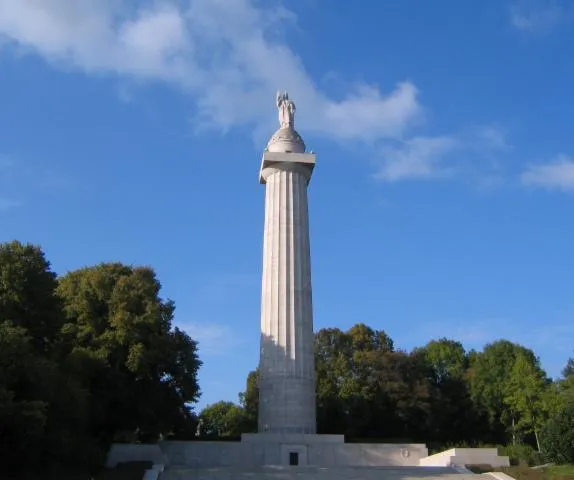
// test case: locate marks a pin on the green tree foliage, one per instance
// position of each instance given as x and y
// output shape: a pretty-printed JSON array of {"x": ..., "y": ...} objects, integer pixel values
[
  {"x": 42, "y": 407},
  {"x": 453, "y": 418},
  {"x": 438, "y": 393},
  {"x": 557, "y": 436},
  {"x": 223, "y": 419},
  {"x": 566, "y": 385},
  {"x": 394, "y": 396},
  {"x": 365, "y": 388},
  {"x": 490, "y": 372},
  {"x": 447, "y": 359},
  {"x": 525, "y": 396},
  {"x": 344, "y": 375},
  {"x": 568, "y": 370},
  {"x": 83, "y": 359},
  {"x": 27, "y": 297},
  {"x": 141, "y": 370},
  {"x": 249, "y": 400}
]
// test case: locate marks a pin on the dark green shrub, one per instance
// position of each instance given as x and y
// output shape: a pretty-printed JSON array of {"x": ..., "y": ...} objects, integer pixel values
[
  {"x": 522, "y": 455},
  {"x": 557, "y": 437}
]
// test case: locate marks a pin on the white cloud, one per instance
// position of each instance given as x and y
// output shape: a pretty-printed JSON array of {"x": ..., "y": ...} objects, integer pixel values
[
  {"x": 226, "y": 53},
  {"x": 534, "y": 16},
  {"x": 558, "y": 174},
  {"x": 419, "y": 157},
  {"x": 442, "y": 156},
  {"x": 212, "y": 338},
  {"x": 489, "y": 137}
]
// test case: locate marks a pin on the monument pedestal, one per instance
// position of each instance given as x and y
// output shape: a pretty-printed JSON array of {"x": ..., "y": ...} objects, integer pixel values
[
  {"x": 327, "y": 451},
  {"x": 289, "y": 448}
]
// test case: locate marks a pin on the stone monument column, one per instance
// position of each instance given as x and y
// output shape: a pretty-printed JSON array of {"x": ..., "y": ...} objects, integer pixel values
[{"x": 286, "y": 366}]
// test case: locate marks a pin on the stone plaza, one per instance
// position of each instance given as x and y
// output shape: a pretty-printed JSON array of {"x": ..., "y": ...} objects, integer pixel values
[{"x": 287, "y": 445}]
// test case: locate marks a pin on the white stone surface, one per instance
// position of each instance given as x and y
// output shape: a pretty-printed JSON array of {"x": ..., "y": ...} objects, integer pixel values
[
  {"x": 291, "y": 438},
  {"x": 321, "y": 451},
  {"x": 466, "y": 456},
  {"x": 256, "y": 450},
  {"x": 304, "y": 162},
  {"x": 286, "y": 140},
  {"x": 287, "y": 364}
]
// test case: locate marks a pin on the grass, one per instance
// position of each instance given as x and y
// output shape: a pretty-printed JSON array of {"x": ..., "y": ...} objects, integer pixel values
[{"x": 562, "y": 472}]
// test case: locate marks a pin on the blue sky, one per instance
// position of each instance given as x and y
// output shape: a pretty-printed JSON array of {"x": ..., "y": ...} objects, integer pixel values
[{"x": 443, "y": 196}]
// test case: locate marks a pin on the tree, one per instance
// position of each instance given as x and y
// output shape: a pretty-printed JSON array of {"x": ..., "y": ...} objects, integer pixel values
[
  {"x": 365, "y": 388},
  {"x": 447, "y": 359},
  {"x": 332, "y": 373},
  {"x": 490, "y": 372},
  {"x": 568, "y": 370},
  {"x": 565, "y": 386},
  {"x": 23, "y": 409},
  {"x": 42, "y": 407},
  {"x": 396, "y": 396},
  {"x": 525, "y": 395},
  {"x": 249, "y": 400},
  {"x": 453, "y": 418},
  {"x": 557, "y": 436},
  {"x": 141, "y": 371},
  {"x": 364, "y": 338},
  {"x": 223, "y": 419},
  {"x": 85, "y": 358},
  {"x": 27, "y": 299},
  {"x": 340, "y": 376}
]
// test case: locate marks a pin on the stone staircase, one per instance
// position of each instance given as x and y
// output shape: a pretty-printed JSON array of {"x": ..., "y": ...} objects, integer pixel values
[{"x": 175, "y": 472}]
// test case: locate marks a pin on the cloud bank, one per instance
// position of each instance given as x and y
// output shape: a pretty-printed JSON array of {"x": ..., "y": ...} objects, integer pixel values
[
  {"x": 230, "y": 57},
  {"x": 426, "y": 157},
  {"x": 226, "y": 53}
]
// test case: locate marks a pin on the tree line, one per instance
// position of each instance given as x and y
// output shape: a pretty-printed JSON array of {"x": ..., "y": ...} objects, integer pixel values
[
  {"x": 439, "y": 394},
  {"x": 92, "y": 357}
]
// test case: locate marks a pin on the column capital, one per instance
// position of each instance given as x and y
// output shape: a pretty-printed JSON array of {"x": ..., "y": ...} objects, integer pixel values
[
  {"x": 279, "y": 161},
  {"x": 303, "y": 169}
]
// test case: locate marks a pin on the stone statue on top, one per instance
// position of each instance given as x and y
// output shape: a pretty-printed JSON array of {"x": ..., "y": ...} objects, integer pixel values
[{"x": 286, "y": 110}]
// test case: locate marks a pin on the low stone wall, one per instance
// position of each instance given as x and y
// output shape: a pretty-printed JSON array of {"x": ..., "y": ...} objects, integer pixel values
[
  {"x": 258, "y": 450},
  {"x": 130, "y": 452},
  {"x": 205, "y": 454},
  {"x": 466, "y": 456},
  {"x": 372, "y": 455}
]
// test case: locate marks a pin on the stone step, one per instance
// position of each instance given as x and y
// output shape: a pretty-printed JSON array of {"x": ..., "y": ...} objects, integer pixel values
[{"x": 316, "y": 473}]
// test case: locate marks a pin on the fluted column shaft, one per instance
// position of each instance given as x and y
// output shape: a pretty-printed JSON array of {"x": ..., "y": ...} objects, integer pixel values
[{"x": 287, "y": 371}]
